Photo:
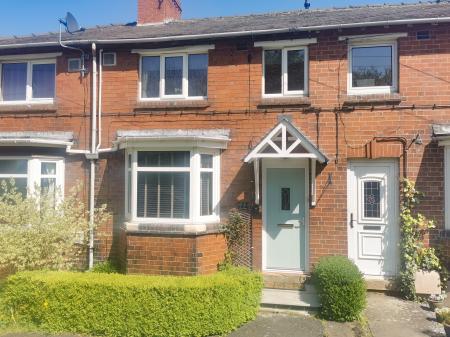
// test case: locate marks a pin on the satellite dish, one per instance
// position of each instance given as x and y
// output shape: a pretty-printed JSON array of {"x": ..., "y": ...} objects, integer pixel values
[{"x": 71, "y": 23}]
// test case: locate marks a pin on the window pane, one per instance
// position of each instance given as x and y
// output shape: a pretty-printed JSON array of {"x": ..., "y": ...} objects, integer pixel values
[
  {"x": 164, "y": 159},
  {"x": 14, "y": 81},
  {"x": 163, "y": 195},
  {"x": 206, "y": 193},
  {"x": 372, "y": 197},
  {"x": 48, "y": 168},
  {"x": 48, "y": 189},
  {"x": 44, "y": 80},
  {"x": 272, "y": 71},
  {"x": 20, "y": 185},
  {"x": 198, "y": 75},
  {"x": 372, "y": 66},
  {"x": 207, "y": 161},
  {"x": 150, "y": 76},
  {"x": 296, "y": 70},
  {"x": 174, "y": 75},
  {"x": 13, "y": 166}
]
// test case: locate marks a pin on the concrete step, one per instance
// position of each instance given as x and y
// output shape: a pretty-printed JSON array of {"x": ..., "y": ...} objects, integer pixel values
[
  {"x": 291, "y": 299},
  {"x": 284, "y": 281}
]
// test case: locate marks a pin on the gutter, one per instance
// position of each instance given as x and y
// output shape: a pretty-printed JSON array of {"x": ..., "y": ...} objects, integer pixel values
[{"x": 232, "y": 34}]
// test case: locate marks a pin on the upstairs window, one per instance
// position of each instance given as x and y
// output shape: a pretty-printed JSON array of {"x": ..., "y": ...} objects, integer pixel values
[
  {"x": 372, "y": 69},
  {"x": 174, "y": 76},
  {"x": 31, "y": 81},
  {"x": 285, "y": 71}
]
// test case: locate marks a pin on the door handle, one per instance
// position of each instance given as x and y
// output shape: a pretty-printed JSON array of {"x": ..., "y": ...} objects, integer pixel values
[{"x": 351, "y": 220}]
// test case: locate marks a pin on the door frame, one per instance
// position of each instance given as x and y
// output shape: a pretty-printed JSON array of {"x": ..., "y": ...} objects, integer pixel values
[
  {"x": 284, "y": 163},
  {"x": 395, "y": 190}
]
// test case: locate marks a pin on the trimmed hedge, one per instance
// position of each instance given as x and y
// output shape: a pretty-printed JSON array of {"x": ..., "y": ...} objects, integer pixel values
[
  {"x": 341, "y": 288},
  {"x": 125, "y": 305}
]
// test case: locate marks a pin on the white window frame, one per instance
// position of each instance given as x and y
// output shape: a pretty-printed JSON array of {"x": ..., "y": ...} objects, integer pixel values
[
  {"x": 114, "y": 56},
  {"x": 29, "y": 88},
  {"x": 194, "y": 194},
  {"x": 185, "y": 80},
  {"x": 447, "y": 186},
  {"x": 34, "y": 173},
  {"x": 375, "y": 89},
  {"x": 71, "y": 70},
  {"x": 284, "y": 72}
]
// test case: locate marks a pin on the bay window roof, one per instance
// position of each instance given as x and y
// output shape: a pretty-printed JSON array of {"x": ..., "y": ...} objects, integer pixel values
[
  {"x": 37, "y": 139},
  {"x": 207, "y": 138}
]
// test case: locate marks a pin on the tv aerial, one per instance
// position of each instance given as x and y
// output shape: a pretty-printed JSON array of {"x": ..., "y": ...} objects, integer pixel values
[{"x": 72, "y": 26}]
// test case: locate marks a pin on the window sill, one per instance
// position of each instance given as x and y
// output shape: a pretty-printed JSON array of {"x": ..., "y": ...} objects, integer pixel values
[
  {"x": 300, "y": 101},
  {"x": 373, "y": 99},
  {"x": 28, "y": 107},
  {"x": 174, "y": 104},
  {"x": 177, "y": 229}
]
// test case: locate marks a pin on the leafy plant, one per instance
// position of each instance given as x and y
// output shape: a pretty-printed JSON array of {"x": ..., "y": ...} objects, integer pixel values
[
  {"x": 107, "y": 267},
  {"x": 414, "y": 254},
  {"x": 38, "y": 233},
  {"x": 130, "y": 305},
  {"x": 341, "y": 288},
  {"x": 233, "y": 229}
]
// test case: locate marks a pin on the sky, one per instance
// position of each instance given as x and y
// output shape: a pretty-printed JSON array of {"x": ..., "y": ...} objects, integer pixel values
[{"x": 23, "y": 17}]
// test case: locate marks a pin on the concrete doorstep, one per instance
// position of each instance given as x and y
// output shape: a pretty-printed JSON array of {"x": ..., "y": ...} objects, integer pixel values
[{"x": 291, "y": 299}]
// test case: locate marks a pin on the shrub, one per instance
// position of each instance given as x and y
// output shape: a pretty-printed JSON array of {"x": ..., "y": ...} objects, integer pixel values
[
  {"x": 107, "y": 267},
  {"x": 37, "y": 233},
  {"x": 125, "y": 305},
  {"x": 341, "y": 288}
]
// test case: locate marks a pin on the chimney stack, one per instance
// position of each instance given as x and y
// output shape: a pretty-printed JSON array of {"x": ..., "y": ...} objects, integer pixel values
[{"x": 158, "y": 11}]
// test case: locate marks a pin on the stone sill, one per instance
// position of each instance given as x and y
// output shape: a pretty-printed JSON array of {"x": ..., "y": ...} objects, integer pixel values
[
  {"x": 171, "y": 105},
  {"x": 284, "y": 102},
  {"x": 28, "y": 108},
  {"x": 369, "y": 100},
  {"x": 172, "y": 230}
]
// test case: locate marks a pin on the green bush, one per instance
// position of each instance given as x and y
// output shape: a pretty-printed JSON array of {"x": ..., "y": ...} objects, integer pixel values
[
  {"x": 341, "y": 288},
  {"x": 107, "y": 267},
  {"x": 124, "y": 305}
]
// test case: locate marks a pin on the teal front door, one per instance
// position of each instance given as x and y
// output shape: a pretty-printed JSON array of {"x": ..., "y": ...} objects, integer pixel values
[{"x": 285, "y": 219}]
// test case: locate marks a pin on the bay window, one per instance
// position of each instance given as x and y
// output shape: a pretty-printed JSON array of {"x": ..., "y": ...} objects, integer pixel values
[
  {"x": 33, "y": 175},
  {"x": 27, "y": 81},
  {"x": 174, "y": 76},
  {"x": 172, "y": 186}
]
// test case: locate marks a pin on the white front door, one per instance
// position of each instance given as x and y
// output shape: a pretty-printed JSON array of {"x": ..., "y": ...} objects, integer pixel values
[{"x": 373, "y": 219}]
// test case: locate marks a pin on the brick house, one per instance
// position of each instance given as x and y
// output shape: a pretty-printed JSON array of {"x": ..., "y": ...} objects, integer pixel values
[{"x": 307, "y": 118}]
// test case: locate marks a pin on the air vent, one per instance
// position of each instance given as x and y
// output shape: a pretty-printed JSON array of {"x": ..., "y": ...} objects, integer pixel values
[
  {"x": 109, "y": 59},
  {"x": 423, "y": 35},
  {"x": 74, "y": 65}
]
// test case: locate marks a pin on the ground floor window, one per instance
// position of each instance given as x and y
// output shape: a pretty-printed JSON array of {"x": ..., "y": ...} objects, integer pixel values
[
  {"x": 177, "y": 186},
  {"x": 33, "y": 175}
]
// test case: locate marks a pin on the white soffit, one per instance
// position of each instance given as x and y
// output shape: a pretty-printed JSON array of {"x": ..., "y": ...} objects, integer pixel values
[
  {"x": 285, "y": 43},
  {"x": 372, "y": 37}
]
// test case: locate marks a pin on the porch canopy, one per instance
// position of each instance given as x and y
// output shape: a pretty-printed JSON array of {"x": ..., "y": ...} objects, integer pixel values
[{"x": 285, "y": 141}]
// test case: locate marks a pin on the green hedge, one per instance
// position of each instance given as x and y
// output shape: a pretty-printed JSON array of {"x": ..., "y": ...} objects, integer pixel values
[
  {"x": 341, "y": 288},
  {"x": 121, "y": 305}
]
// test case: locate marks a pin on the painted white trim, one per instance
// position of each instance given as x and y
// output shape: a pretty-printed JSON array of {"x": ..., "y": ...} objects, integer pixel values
[
  {"x": 284, "y": 73},
  {"x": 290, "y": 163},
  {"x": 185, "y": 80},
  {"x": 194, "y": 193},
  {"x": 373, "y": 90},
  {"x": 29, "y": 83},
  {"x": 109, "y": 53},
  {"x": 373, "y": 37},
  {"x": 447, "y": 186},
  {"x": 29, "y": 57},
  {"x": 172, "y": 143},
  {"x": 34, "y": 175},
  {"x": 285, "y": 43},
  {"x": 34, "y": 142},
  {"x": 200, "y": 49}
]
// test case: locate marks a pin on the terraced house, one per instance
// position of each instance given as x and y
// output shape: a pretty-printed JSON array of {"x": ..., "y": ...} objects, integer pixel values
[{"x": 304, "y": 120}]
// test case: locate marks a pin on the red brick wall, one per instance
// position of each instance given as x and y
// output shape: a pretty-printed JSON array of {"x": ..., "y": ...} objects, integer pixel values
[
  {"x": 234, "y": 95},
  {"x": 149, "y": 11}
]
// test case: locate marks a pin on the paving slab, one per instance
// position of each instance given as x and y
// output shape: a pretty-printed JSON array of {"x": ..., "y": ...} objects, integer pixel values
[
  {"x": 392, "y": 317},
  {"x": 281, "y": 325}
]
